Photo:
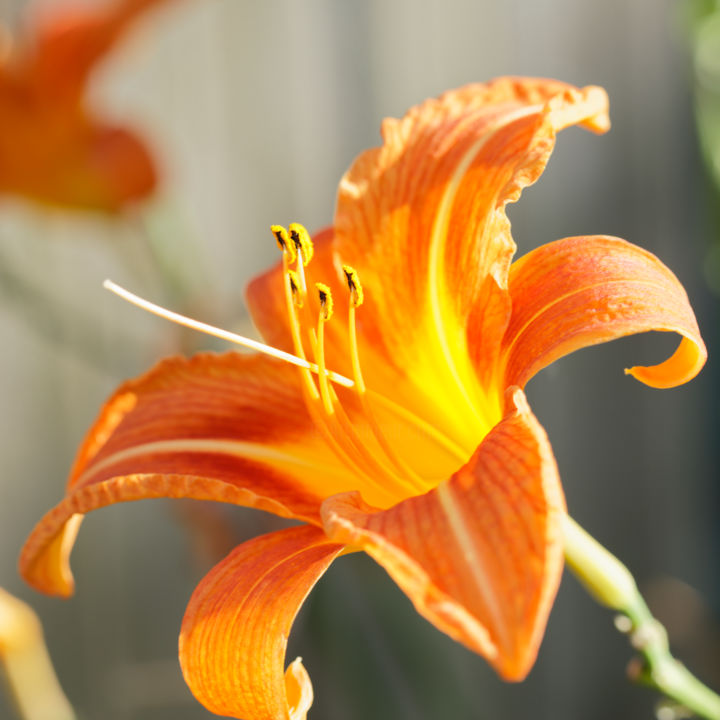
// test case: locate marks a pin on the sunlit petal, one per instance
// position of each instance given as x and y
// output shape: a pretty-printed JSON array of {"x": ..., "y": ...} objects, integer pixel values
[
  {"x": 236, "y": 626},
  {"x": 231, "y": 428},
  {"x": 432, "y": 245},
  {"x": 481, "y": 555},
  {"x": 585, "y": 290}
]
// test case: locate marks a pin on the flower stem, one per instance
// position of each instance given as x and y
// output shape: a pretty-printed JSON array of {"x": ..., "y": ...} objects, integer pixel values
[{"x": 612, "y": 585}]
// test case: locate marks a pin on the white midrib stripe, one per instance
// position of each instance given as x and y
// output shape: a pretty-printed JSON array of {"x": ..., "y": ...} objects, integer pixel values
[
  {"x": 474, "y": 562},
  {"x": 234, "y": 448},
  {"x": 436, "y": 265}
]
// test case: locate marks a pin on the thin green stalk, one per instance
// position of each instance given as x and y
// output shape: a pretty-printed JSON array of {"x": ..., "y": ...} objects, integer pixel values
[{"x": 612, "y": 585}]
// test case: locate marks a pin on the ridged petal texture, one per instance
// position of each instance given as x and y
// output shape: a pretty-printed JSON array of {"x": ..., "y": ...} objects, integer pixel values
[
  {"x": 231, "y": 428},
  {"x": 585, "y": 290},
  {"x": 234, "y": 635},
  {"x": 422, "y": 219},
  {"x": 465, "y": 509},
  {"x": 480, "y": 556}
]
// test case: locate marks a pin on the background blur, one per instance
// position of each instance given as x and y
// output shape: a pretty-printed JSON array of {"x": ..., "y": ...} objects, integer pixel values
[{"x": 255, "y": 109}]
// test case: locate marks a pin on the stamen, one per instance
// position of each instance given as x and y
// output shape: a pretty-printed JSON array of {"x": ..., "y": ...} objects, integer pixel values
[
  {"x": 324, "y": 315},
  {"x": 283, "y": 241},
  {"x": 294, "y": 281},
  {"x": 356, "y": 298},
  {"x": 303, "y": 244},
  {"x": 222, "y": 334},
  {"x": 342, "y": 429},
  {"x": 326, "y": 301},
  {"x": 343, "y": 446},
  {"x": 356, "y": 291},
  {"x": 294, "y": 300},
  {"x": 319, "y": 403}
]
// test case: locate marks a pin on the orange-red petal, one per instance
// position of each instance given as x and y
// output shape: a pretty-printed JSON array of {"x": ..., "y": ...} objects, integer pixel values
[
  {"x": 422, "y": 220},
  {"x": 235, "y": 631},
  {"x": 581, "y": 291},
  {"x": 481, "y": 555},
  {"x": 67, "y": 42},
  {"x": 231, "y": 428},
  {"x": 52, "y": 148}
]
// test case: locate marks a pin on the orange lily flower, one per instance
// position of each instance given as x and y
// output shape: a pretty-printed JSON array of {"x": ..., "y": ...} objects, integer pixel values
[
  {"x": 53, "y": 147},
  {"x": 406, "y": 432}
]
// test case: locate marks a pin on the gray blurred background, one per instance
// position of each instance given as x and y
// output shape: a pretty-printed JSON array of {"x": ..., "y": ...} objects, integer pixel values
[{"x": 255, "y": 109}]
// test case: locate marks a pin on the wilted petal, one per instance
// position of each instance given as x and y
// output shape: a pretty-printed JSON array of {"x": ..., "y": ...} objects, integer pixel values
[
  {"x": 236, "y": 627},
  {"x": 481, "y": 555},
  {"x": 580, "y": 291}
]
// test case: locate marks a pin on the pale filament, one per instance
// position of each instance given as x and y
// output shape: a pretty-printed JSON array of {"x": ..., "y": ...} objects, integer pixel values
[
  {"x": 315, "y": 401},
  {"x": 312, "y": 402},
  {"x": 222, "y": 334},
  {"x": 334, "y": 419},
  {"x": 360, "y": 390},
  {"x": 290, "y": 304},
  {"x": 318, "y": 403},
  {"x": 321, "y": 400},
  {"x": 372, "y": 466}
]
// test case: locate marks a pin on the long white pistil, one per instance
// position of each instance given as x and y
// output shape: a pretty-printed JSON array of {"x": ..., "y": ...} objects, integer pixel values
[{"x": 222, "y": 334}]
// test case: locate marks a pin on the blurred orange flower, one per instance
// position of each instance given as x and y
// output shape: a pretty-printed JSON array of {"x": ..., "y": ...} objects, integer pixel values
[
  {"x": 53, "y": 147},
  {"x": 410, "y": 437}
]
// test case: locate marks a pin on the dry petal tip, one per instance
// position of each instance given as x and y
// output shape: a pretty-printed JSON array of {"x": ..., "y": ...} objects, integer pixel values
[
  {"x": 298, "y": 689},
  {"x": 588, "y": 107}
]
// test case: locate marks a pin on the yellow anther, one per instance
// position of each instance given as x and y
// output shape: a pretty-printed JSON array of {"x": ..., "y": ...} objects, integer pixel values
[
  {"x": 294, "y": 281},
  {"x": 303, "y": 244},
  {"x": 326, "y": 301},
  {"x": 283, "y": 241},
  {"x": 356, "y": 291}
]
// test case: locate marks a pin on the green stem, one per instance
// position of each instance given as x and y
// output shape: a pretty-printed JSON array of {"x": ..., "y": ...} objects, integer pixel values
[{"x": 612, "y": 585}]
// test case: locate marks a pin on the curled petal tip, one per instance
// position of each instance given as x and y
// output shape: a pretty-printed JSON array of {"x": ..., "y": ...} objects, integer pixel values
[
  {"x": 681, "y": 367},
  {"x": 45, "y": 559},
  {"x": 299, "y": 690}
]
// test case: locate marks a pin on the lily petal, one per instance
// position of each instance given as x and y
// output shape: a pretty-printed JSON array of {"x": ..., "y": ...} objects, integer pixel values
[
  {"x": 481, "y": 555},
  {"x": 52, "y": 148},
  {"x": 412, "y": 228},
  {"x": 234, "y": 634},
  {"x": 231, "y": 428},
  {"x": 580, "y": 291},
  {"x": 68, "y": 42}
]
